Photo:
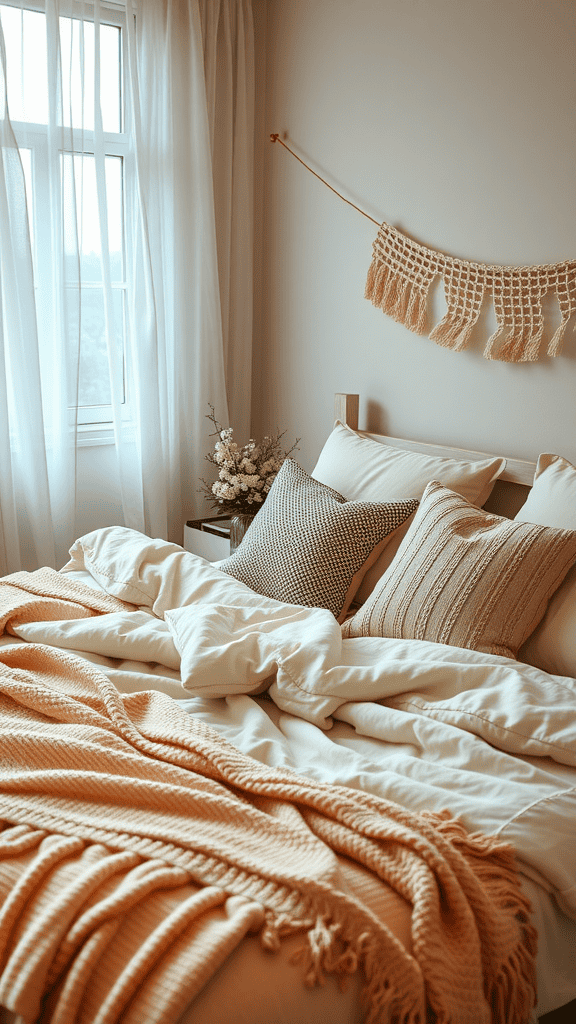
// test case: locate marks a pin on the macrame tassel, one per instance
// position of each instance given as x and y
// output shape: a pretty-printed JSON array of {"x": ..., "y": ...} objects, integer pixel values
[
  {"x": 389, "y": 292},
  {"x": 518, "y": 347},
  {"x": 392, "y": 298},
  {"x": 400, "y": 299},
  {"x": 370, "y": 288},
  {"x": 397, "y": 296},
  {"x": 492, "y": 343},
  {"x": 555, "y": 344},
  {"x": 377, "y": 283},
  {"x": 452, "y": 332},
  {"x": 416, "y": 320}
]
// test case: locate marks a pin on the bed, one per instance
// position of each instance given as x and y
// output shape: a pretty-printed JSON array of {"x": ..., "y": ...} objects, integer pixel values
[{"x": 331, "y": 778}]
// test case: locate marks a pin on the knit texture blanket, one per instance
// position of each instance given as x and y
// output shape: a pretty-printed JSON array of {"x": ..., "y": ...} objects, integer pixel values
[
  {"x": 123, "y": 810},
  {"x": 402, "y": 271}
]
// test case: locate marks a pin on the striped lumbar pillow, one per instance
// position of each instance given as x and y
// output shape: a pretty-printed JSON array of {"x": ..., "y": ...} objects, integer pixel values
[
  {"x": 309, "y": 546},
  {"x": 466, "y": 578}
]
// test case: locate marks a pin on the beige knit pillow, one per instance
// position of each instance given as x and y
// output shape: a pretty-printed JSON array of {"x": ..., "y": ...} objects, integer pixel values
[
  {"x": 309, "y": 546},
  {"x": 466, "y": 578}
]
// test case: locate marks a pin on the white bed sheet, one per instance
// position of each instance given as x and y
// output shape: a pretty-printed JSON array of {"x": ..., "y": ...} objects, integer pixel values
[{"x": 388, "y": 746}]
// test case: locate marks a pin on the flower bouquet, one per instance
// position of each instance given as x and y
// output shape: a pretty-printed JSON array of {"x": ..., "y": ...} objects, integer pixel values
[{"x": 245, "y": 474}]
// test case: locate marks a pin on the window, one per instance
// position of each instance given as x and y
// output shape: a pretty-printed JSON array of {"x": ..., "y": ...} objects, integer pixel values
[{"x": 76, "y": 189}]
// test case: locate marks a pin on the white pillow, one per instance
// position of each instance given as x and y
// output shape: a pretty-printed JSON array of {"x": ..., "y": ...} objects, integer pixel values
[
  {"x": 552, "y": 502},
  {"x": 365, "y": 470}
]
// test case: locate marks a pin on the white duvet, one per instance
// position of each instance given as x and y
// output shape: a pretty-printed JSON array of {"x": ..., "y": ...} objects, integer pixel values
[{"x": 429, "y": 726}]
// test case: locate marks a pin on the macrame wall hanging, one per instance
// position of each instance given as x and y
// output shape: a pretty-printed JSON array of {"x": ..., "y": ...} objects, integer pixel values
[{"x": 402, "y": 271}]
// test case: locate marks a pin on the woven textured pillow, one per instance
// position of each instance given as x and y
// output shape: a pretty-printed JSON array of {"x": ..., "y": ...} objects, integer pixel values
[
  {"x": 367, "y": 470},
  {"x": 309, "y": 546},
  {"x": 467, "y": 578}
]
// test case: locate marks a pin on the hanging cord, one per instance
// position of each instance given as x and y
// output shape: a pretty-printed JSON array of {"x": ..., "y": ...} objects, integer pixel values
[{"x": 276, "y": 138}]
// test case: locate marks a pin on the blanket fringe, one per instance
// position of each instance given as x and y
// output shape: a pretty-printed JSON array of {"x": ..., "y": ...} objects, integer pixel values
[
  {"x": 327, "y": 952},
  {"x": 511, "y": 993},
  {"x": 278, "y": 926}
]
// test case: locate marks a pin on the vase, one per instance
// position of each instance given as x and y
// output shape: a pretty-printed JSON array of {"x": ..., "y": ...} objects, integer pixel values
[{"x": 239, "y": 525}]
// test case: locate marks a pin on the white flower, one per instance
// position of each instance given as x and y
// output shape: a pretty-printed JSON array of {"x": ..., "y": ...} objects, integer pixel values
[
  {"x": 224, "y": 491},
  {"x": 272, "y": 465},
  {"x": 223, "y": 456},
  {"x": 245, "y": 473}
]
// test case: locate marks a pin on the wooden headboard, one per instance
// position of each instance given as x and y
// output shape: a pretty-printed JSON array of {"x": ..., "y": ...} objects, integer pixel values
[{"x": 505, "y": 500}]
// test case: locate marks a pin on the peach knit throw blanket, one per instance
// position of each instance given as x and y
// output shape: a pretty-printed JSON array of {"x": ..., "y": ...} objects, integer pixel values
[{"x": 138, "y": 848}]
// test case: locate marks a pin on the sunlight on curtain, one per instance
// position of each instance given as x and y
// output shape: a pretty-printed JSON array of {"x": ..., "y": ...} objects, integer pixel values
[{"x": 111, "y": 324}]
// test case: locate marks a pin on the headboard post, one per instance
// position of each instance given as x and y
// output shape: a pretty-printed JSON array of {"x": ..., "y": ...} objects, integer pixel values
[{"x": 346, "y": 409}]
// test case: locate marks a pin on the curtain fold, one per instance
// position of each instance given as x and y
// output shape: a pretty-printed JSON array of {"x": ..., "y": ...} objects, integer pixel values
[
  {"x": 177, "y": 347},
  {"x": 228, "y": 41},
  {"x": 37, "y": 499},
  {"x": 162, "y": 313}
]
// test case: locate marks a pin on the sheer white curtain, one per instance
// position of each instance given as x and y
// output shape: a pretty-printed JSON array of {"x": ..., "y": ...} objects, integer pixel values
[
  {"x": 110, "y": 294},
  {"x": 38, "y": 450},
  {"x": 228, "y": 35}
]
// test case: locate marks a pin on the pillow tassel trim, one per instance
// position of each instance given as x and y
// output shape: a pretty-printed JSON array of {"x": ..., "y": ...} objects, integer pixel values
[{"x": 402, "y": 271}]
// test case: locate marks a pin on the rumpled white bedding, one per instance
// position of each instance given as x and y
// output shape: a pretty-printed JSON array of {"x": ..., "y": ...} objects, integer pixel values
[{"x": 429, "y": 726}]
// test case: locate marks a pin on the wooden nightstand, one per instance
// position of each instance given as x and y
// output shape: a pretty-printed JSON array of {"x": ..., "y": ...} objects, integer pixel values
[{"x": 209, "y": 538}]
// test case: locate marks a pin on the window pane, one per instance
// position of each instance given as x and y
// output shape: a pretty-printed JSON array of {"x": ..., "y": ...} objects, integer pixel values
[
  {"x": 26, "y": 158},
  {"x": 86, "y": 319},
  {"x": 25, "y": 39},
  {"x": 77, "y": 47},
  {"x": 81, "y": 217},
  {"x": 113, "y": 171},
  {"x": 110, "y": 91}
]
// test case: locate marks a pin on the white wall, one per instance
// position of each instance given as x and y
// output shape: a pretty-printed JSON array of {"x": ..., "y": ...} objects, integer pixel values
[
  {"x": 98, "y": 489},
  {"x": 454, "y": 121}
]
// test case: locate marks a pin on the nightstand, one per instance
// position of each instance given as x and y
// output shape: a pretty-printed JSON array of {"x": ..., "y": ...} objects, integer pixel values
[{"x": 209, "y": 538}]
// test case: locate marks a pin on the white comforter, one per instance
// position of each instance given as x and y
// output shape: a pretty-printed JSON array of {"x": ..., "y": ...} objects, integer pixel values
[{"x": 491, "y": 739}]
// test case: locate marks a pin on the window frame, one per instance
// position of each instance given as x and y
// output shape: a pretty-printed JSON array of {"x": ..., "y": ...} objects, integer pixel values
[{"x": 94, "y": 423}]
